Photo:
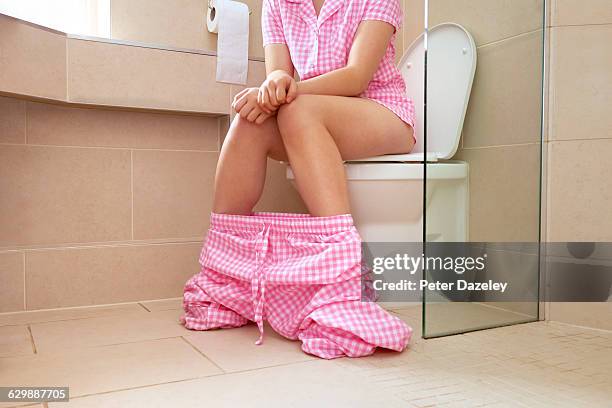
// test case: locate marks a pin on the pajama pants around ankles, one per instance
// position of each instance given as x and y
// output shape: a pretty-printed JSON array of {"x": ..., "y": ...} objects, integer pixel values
[{"x": 301, "y": 274}]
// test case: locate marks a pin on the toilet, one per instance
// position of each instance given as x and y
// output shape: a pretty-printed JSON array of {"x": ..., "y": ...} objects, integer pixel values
[{"x": 387, "y": 192}]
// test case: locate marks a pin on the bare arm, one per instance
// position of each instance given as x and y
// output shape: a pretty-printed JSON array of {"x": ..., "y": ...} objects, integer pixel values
[
  {"x": 278, "y": 59},
  {"x": 369, "y": 47},
  {"x": 279, "y": 86}
]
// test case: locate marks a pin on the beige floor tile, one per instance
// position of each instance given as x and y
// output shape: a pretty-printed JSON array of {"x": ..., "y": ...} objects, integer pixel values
[
  {"x": 235, "y": 349},
  {"x": 309, "y": 384},
  {"x": 109, "y": 368},
  {"x": 39, "y": 316},
  {"x": 15, "y": 341},
  {"x": 98, "y": 331},
  {"x": 163, "y": 304}
]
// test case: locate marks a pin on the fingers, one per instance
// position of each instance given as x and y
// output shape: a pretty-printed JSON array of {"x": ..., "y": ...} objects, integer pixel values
[
  {"x": 263, "y": 99},
  {"x": 239, "y": 103},
  {"x": 281, "y": 94},
  {"x": 246, "y": 110},
  {"x": 254, "y": 114},
  {"x": 292, "y": 92},
  {"x": 272, "y": 94},
  {"x": 262, "y": 118},
  {"x": 239, "y": 95}
]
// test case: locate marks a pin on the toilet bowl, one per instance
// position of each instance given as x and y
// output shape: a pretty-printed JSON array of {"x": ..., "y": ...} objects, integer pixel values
[{"x": 387, "y": 192}]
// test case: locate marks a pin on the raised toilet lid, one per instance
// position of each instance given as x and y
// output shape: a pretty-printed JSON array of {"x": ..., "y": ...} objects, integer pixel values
[{"x": 451, "y": 60}]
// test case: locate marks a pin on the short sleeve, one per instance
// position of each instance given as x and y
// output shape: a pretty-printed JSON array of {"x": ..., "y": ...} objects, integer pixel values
[
  {"x": 271, "y": 26},
  {"x": 388, "y": 11}
]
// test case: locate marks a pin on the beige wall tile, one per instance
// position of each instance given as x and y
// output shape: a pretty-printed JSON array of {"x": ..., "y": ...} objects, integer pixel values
[
  {"x": 593, "y": 314},
  {"x": 581, "y": 83},
  {"x": 255, "y": 37},
  {"x": 71, "y": 126},
  {"x": 504, "y": 193},
  {"x": 102, "y": 331},
  {"x": 102, "y": 275},
  {"x": 574, "y": 12},
  {"x": 32, "y": 61},
  {"x": 12, "y": 120},
  {"x": 15, "y": 341},
  {"x": 489, "y": 20},
  {"x": 11, "y": 276},
  {"x": 414, "y": 21},
  {"x": 63, "y": 195},
  {"x": 121, "y": 75},
  {"x": 505, "y": 106},
  {"x": 173, "y": 193},
  {"x": 175, "y": 23},
  {"x": 580, "y": 197},
  {"x": 109, "y": 368}
]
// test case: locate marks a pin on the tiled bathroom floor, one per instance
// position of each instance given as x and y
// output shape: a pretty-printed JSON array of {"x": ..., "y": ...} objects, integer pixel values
[{"x": 137, "y": 355}]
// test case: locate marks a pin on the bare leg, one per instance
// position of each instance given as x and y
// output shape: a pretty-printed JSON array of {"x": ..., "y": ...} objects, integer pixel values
[
  {"x": 241, "y": 171},
  {"x": 319, "y": 132}
]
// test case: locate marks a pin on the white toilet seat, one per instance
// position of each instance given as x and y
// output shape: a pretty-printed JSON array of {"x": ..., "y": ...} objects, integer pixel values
[
  {"x": 447, "y": 170},
  {"x": 406, "y": 171}
]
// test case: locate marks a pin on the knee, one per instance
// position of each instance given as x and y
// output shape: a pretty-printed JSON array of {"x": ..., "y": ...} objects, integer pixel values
[
  {"x": 245, "y": 133},
  {"x": 295, "y": 117}
]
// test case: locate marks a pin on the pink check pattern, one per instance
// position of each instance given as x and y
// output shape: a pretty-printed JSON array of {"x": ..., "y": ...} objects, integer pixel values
[
  {"x": 319, "y": 44},
  {"x": 301, "y": 274}
]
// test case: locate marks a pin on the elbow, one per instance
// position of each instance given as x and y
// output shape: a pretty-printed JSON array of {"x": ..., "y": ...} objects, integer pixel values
[{"x": 359, "y": 81}]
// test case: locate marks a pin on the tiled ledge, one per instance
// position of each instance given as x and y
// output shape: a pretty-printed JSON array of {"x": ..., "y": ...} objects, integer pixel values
[{"x": 40, "y": 63}]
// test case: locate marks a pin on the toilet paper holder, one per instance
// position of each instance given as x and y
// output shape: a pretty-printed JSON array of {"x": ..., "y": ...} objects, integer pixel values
[{"x": 212, "y": 8}]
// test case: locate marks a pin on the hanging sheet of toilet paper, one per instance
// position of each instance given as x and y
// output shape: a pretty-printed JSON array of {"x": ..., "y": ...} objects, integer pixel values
[{"x": 230, "y": 20}]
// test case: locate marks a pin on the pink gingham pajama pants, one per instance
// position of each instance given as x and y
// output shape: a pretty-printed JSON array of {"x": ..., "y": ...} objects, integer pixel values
[{"x": 301, "y": 274}]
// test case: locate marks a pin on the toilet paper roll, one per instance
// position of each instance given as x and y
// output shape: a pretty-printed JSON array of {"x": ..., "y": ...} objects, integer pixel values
[{"x": 230, "y": 20}]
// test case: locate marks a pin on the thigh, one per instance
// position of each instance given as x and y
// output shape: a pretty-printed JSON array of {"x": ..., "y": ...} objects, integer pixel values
[{"x": 361, "y": 127}]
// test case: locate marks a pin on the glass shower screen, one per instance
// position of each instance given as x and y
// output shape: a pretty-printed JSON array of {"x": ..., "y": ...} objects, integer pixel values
[{"x": 483, "y": 135}]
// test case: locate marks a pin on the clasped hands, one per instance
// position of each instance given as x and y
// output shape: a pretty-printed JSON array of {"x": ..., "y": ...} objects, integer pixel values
[{"x": 258, "y": 104}]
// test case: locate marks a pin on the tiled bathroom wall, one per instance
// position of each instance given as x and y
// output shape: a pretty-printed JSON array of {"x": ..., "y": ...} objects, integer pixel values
[
  {"x": 180, "y": 24},
  {"x": 579, "y": 141},
  {"x": 500, "y": 139},
  {"x": 107, "y": 159}
]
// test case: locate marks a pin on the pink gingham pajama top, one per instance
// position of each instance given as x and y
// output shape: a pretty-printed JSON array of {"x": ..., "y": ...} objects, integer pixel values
[{"x": 321, "y": 44}]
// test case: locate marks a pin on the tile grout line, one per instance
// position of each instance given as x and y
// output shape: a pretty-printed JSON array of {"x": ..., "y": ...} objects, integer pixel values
[
  {"x": 113, "y": 148},
  {"x": 132, "y": 190},
  {"x": 75, "y": 245},
  {"x": 25, "y": 122},
  {"x": 203, "y": 355},
  {"x": 25, "y": 303}
]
